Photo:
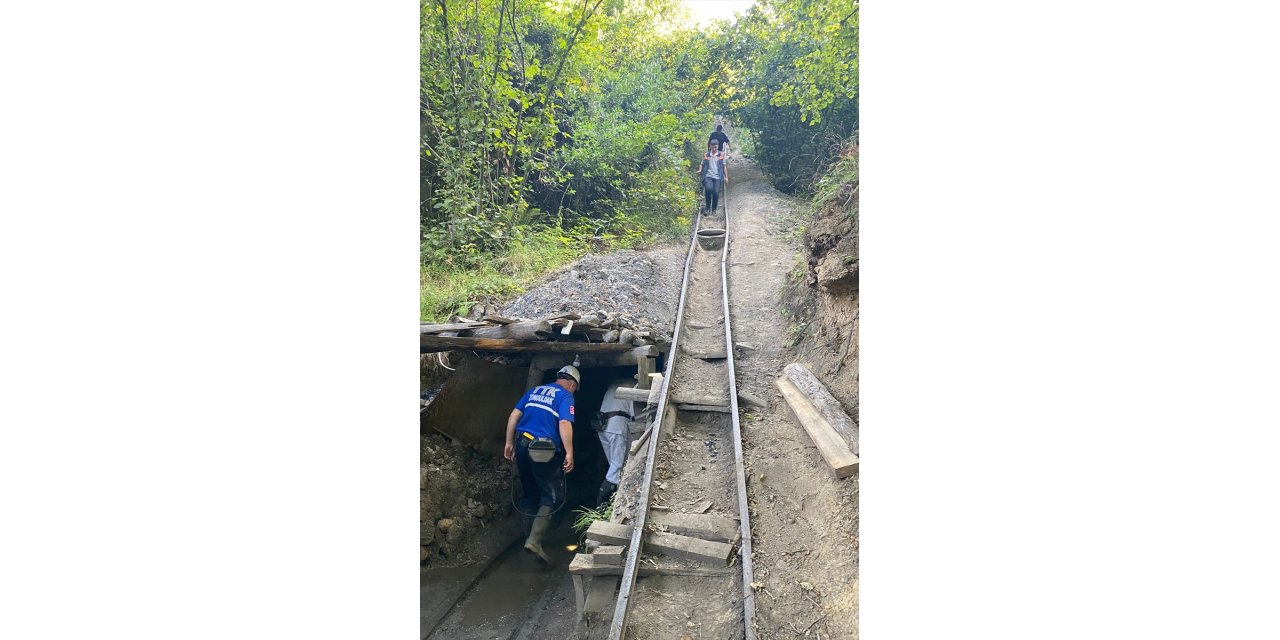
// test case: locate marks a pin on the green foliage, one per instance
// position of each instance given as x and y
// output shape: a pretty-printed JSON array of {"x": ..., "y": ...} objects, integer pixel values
[
  {"x": 837, "y": 186},
  {"x": 584, "y": 516},
  {"x": 569, "y": 115},
  {"x": 792, "y": 80}
]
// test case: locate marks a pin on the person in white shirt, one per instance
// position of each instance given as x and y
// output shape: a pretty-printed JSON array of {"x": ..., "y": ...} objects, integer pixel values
[{"x": 615, "y": 415}]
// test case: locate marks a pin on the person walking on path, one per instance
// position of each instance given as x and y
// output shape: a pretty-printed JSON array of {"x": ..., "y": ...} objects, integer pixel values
[
  {"x": 540, "y": 441},
  {"x": 714, "y": 176},
  {"x": 615, "y": 414},
  {"x": 719, "y": 136}
]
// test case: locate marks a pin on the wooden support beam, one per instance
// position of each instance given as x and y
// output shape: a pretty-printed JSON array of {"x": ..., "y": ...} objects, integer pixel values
[
  {"x": 644, "y": 367},
  {"x": 830, "y": 445},
  {"x": 707, "y": 526},
  {"x": 824, "y": 402},
  {"x": 579, "y": 593},
  {"x": 432, "y": 344},
  {"x": 627, "y": 355}
]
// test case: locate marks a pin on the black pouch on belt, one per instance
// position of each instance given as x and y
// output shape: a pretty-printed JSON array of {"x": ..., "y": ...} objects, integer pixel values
[{"x": 542, "y": 450}]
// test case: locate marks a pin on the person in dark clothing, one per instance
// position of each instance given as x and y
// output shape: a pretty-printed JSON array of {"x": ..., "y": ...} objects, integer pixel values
[
  {"x": 719, "y": 136},
  {"x": 544, "y": 413},
  {"x": 714, "y": 174}
]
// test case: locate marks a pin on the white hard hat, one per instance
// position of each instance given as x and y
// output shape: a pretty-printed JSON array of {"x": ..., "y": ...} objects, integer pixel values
[{"x": 572, "y": 372}]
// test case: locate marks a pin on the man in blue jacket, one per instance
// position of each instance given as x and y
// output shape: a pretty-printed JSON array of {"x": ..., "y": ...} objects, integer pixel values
[{"x": 543, "y": 422}]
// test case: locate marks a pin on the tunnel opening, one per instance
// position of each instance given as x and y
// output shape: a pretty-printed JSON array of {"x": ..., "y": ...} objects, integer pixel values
[{"x": 501, "y": 582}]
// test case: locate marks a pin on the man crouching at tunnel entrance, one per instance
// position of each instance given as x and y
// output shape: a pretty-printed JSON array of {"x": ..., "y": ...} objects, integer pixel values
[{"x": 540, "y": 440}]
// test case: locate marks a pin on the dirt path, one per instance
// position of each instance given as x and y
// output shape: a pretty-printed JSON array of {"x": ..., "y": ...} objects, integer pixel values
[{"x": 804, "y": 521}]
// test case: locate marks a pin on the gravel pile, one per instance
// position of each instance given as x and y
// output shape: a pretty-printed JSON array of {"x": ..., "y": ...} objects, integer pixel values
[
  {"x": 643, "y": 285},
  {"x": 463, "y": 493}
]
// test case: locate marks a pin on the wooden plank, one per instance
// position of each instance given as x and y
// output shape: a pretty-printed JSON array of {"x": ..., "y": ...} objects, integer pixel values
[
  {"x": 499, "y": 319},
  {"x": 526, "y": 330},
  {"x": 578, "y": 593},
  {"x": 432, "y": 344},
  {"x": 583, "y": 565},
  {"x": 707, "y": 526},
  {"x": 709, "y": 400},
  {"x": 673, "y": 544},
  {"x": 634, "y": 395},
  {"x": 830, "y": 445},
  {"x": 644, "y": 437},
  {"x": 561, "y": 316},
  {"x": 450, "y": 326},
  {"x": 608, "y": 555},
  {"x": 824, "y": 402},
  {"x": 609, "y": 533},
  {"x": 703, "y": 407}
]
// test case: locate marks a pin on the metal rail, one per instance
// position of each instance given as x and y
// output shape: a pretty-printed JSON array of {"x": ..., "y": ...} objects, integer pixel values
[
  {"x": 617, "y": 629},
  {"x": 744, "y": 515}
]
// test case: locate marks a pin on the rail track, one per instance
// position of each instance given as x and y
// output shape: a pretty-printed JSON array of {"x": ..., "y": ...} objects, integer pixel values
[
  {"x": 692, "y": 463},
  {"x": 687, "y": 465}
]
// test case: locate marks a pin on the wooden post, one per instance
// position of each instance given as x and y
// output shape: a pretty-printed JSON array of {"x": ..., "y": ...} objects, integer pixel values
[{"x": 644, "y": 367}]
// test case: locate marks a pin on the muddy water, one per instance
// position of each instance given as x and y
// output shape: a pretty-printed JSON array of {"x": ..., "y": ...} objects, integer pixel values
[{"x": 512, "y": 595}]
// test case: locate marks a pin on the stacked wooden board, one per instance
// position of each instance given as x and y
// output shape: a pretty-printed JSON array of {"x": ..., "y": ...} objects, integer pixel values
[
  {"x": 702, "y": 538},
  {"x": 564, "y": 332},
  {"x": 822, "y": 417}
]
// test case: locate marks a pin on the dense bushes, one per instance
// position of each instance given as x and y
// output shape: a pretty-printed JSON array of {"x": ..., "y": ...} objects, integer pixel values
[
  {"x": 795, "y": 65},
  {"x": 548, "y": 128},
  {"x": 554, "y": 127}
]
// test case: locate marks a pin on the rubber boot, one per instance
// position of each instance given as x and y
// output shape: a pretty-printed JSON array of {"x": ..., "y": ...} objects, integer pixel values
[
  {"x": 534, "y": 543},
  {"x": 606, "y": 492}
]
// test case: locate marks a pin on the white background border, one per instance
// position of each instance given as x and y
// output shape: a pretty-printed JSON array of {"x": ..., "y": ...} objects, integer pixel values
[{"x": 209, "y": 254}]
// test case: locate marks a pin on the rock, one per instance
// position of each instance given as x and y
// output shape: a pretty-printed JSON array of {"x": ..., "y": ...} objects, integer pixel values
[
  {"x": 445, "y": 524},
  {"x": 746, "y": 346}
]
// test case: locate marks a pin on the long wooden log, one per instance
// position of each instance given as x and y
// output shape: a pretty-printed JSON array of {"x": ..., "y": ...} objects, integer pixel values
[
  {"x": 634, "y": 395},
  {"x": 450, "y": 326},
  {"x": 432, "y": 344},
  {"x": 824, "y": 402},
  {"x": 830, "y": 445},
  {"x": 525, "y": 330}
]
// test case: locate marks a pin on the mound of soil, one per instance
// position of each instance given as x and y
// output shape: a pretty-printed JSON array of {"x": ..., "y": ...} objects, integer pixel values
[
  {"x": 463, "y": 492},
  {"x": 825, "y": 303}
]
